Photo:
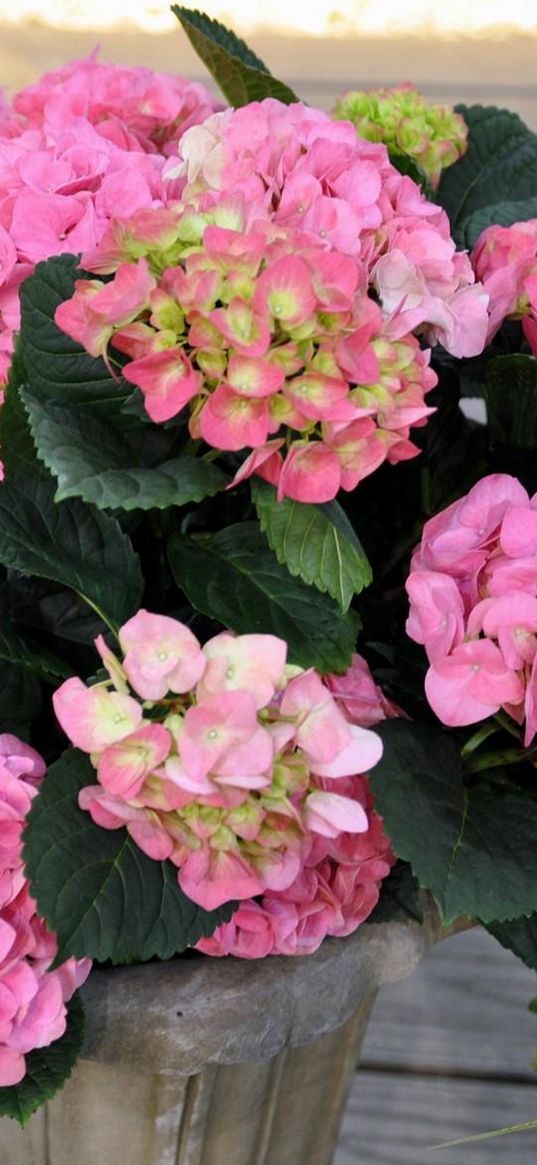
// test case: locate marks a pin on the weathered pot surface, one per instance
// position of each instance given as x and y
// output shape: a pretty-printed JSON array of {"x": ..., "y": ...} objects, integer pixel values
[{"x": 176, "y": 1017}]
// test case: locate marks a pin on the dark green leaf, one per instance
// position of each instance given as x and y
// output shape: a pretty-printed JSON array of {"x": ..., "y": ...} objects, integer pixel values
[
  {"x": 406, "y": 165},
  {"x": 20, "y": 698},
  {"x": 520, "y": 936},
  {"x": 511, "y": 396},
  {"x": 47, "y": 1069},
  {"x": 502, "y": 214},
  {"x": 55, "y": 367},
  {"x": 234, "y": 577},
  {"x": 315, "y": 543},
  {"x": 399, "y": 897},
  {"x": 241, "y": 75},
  {"x": 18, "y": 449},
  {"x": 15, "y": 650},
  {"x": 474, "y": 848},
  {"x": 71, "y": 544},
  {"x": 506, "y": 1131},
  {"x": 500, "y": 163},
  {"x": 97, "y": 890},
  {"x": 94, "y": 459}
]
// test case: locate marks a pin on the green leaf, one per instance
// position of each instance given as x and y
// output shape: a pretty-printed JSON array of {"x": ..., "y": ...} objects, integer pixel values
[
  {"x": 234, "y": 578},
  {"x": 241, "y": 75},
  {"x": 399, "y": 897},
  {"x": 502, "y": 214},
  {"x": 94, "y": 459},
  {"x": 473, "y": 847},
  {"x": 47, "y": 1069},
  {"x": 409, "y": 167},
  {"x": 20, "y": 698},
  {"x": 500, "y": 163},
  {"x": 18, "y": 449},
  {"x": 505, "y": 1132},
  {"x": 315, "y": 543},
  {"x": 71, "y": 544},
  {"x": 511, "y": 396},
  {"x": 520, "y": 936},
  {"x": 96, "y": 889},
  {"x": 54, "y": 366},
  {"x": 15, "y": 650}
]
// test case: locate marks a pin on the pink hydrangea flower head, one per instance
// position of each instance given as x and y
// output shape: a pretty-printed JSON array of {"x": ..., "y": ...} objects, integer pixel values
[
  {"x": 336, "y": 888},
  {"x": 125, "y": 765},
  {"x": 471, "y": 683},
  {"x": 291, "y": 274},
  {"x": 32, "y": 998},
  {"x": 94, "y": 718},
  {"x": 84, "y": 146},
  {"x": 252, "y": 663},
  {"x": 361, "y": 699},
  {"x": 322, "y": 731},
  {"x": 167, "y": 380},
  {"x": 311, "y": 473},
  {"x": 161, "y": 655},
  {"x": 213, "y": 735},
  {"x": 235, "y": 766},
  {"x": 473, "y": 604},
  {"x": 505, "y": 260},
  {"x": 330, "y": 814},
  {"x": 361, "y": 754},
  {"x": 78, "y": 320},
  {"x": 437, "y": 612}
]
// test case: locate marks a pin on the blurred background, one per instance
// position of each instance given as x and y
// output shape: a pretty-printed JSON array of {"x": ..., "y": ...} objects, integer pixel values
[{"x": 466, "y": 50}]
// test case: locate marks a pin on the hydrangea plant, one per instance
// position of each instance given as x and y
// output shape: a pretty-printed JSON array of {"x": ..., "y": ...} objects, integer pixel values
[{"x": 268, "y": 597}]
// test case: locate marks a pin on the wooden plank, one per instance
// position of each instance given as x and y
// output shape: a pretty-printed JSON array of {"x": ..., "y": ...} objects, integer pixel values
[
  {"x": 464, "y": 1010},
  {"x": 393, "y": 1119}
]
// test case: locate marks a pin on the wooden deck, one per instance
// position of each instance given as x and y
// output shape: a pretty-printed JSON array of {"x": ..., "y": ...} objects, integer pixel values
[{"x": 448, "y": 1054}]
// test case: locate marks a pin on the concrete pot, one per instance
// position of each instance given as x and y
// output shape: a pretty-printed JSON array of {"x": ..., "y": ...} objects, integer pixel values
[{"x": 219, "y": 1061}]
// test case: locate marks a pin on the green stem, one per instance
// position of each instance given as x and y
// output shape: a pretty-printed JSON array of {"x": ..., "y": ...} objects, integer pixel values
[
  {"x": 510, "y": 726},
  {"x": 482, "y": 734},
  {"x": 502, "y": 756},
  {"x": 100, "y": 613}
]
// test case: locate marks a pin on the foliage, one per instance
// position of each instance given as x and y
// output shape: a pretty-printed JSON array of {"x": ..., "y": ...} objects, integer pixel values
[
  {"x": 47, "y": 1069},
  {"x": 100, "y": 894},
  {"x": 106, "y": 511}
]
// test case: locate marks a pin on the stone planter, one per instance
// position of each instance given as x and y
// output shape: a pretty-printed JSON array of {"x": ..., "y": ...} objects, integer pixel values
[{"x": 219, "y": 1062}]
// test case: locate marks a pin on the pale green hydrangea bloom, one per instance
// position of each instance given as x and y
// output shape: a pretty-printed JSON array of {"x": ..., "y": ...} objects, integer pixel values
[{"x": 433, "y": 136}]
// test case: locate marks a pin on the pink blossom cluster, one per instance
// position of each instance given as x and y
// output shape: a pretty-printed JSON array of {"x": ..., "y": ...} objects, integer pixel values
[
  {"x": 221, "y": 758},
  {"x": 32, "y": 998},
  {"x": 259, "y": 331},
  {"x": 85, "y": 143},
  {"x": 299, "y": 168},
  {"x": 505, "y": 260},
  {"x": 339, "y": 883},
  {"x": 278, "y": 294},
  {"x": 473, "y": 605}
]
